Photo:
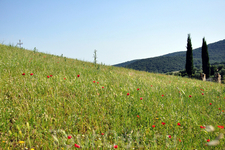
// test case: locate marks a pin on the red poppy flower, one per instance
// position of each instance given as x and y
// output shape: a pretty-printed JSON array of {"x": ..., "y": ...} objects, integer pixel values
[
  {"x": 202, "y": 127},
  {"x": 103, "y": 87},
  {"x": 69, "y": 137},
  {"x": 153, "y": 126},
  {"x": 47, "y": 76},
  {"x": 77, "y": 146},
  {"x": 179, "y": 140},
  {"x": 208, "y": 140},
  {"x": 163, "y": 123},
  {"x": 23, "y": 74},
  {"x": 138, "y": 89},
  {"x": 31, "y": 74},
  {"x": 93, "y": 81},
  {"x": 97, "y": 82},
  {"x": 51, "y": 75},
  {"x": 202, "y": 93},
  {"x": 128, "y": 94},
  {"x": 115, "y": 146},
  {"x": 78, "y": 75},
  {"x": 141, "y": 98},
  {"x": 64, "y": 78},
  {"x": 162, "y": 95},
  {"x": 138, "y": 116},
  {"x": 178, "y": 124},
  {"x": 221, "y": 127},
  {"x": 210, "y": 103},
  {"x": 102, "y": 133},
  {"x": 219, "y": 108},
  {"x": 222, "y": 110},
  {"x": 190, "y": 96},
  {"x": 169, "y": 136},
  {"x": 151, "y": 85}
]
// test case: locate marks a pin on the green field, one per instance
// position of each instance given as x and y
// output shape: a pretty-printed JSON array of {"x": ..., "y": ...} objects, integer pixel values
[{"x": 52, "y": 102}]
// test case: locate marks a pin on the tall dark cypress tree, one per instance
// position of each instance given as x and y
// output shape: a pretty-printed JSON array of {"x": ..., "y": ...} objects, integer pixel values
[
  {"x": 205, "y": 59},
  {"x": 189, "y": 58}
]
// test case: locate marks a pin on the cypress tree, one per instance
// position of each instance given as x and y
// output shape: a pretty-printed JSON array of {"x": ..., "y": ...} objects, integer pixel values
[
  {"x": 205, "y": 59},
  {"x": 189, "y": 58}
]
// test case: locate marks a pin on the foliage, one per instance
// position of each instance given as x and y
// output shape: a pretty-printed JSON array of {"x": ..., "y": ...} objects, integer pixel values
[
  {"x": 49, "y": 103},
  {"x": 205, "y": 59},
  {"x": 189, "y": 58}
]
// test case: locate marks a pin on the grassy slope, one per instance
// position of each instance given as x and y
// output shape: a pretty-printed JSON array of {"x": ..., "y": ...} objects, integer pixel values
[{"x": 39, "y": 112}]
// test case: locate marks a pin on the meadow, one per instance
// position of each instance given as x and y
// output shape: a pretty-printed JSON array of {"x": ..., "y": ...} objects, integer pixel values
[{"x": 53, "y": 102}]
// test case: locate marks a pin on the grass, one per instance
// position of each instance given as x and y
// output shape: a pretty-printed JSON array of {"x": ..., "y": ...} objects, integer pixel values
[{"x": 100, "y": 107}]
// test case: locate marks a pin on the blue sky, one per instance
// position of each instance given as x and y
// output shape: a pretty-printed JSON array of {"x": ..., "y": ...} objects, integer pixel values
[{"x": 120, "y": 30}]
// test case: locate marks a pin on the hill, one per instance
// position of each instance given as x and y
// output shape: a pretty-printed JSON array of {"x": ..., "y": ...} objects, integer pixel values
[
  {"x": 176, "y": 61},
  {"x": 52, "y": 102}
]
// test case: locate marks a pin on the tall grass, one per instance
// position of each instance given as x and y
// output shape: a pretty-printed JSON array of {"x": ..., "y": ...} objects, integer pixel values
[{"x": 101, "y": 108}]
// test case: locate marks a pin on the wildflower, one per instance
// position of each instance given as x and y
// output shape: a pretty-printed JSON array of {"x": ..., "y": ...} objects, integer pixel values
[
  {"x": 179, "y": 140},
  {"x": 97, "y": 82},
  {"x": 137, "y": 89},
  {"x": 138, "y": 116},
  {"x": 162, "y": 95},
  {"x": 47, "y": 76},
  {"x": 153, "y": 126},
  {"x": 57, "y": 62},
  {"x": 208, "y": 140},
  {"x": 202, "y": 127},
  {"x": 103, "y": 87},
  {"x": 151, "y": 85},
  {"x": 163, "y": 123},
  {"x": 141, "y": 98},
  {"x": 209, "y": 128},
  {"x": 221, "y": 127},
  {"x": 21, "y": 142},
  {"x": 102, "y": 133},
  {"x": 69, "y": 137},
  {"x": 115, "y": 146},
  {"x": 93, "y": 81},
  {"x": 169, "y": 136},
  {"x": 210, "y": 103},
  {"x": 190, "y": 96},
  {"x": 77, "y": 146},
  {"x": 178, "y": 123},
  {"x": 202, "y": 93},
  {"x": 128, "y": 94},
  {"x": 31, "y": 74},
  {"x": 219, "y": 108},
  {"x": 78, "y": 75},
  {"x": 23, "y": 74},
  {"x": 222, "y": 110},
  {"x": 64, "y": 78},
  {"x": 216, "y": 141},
  {"x": 51, "y": 75}
]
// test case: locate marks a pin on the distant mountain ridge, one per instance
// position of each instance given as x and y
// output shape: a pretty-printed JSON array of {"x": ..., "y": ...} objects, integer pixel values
[{"x": 177, "y": 60}]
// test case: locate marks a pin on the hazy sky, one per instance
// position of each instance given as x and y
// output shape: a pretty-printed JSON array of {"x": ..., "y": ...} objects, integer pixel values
[{"x": 120, "y": 30}]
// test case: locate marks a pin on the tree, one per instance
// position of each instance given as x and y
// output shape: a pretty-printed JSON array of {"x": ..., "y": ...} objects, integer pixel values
[
  {"x": 95, "y": 57},
  {"x": 205, "y": 59},
  {"x": 189, "y": 58}
]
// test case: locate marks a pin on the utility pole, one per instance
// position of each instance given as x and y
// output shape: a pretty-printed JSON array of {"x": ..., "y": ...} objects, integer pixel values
[{"x": 19, "y": 43}]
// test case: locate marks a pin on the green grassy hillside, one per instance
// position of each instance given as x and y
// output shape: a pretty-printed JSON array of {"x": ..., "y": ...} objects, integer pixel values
[{"x": 50, "y": 102}]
